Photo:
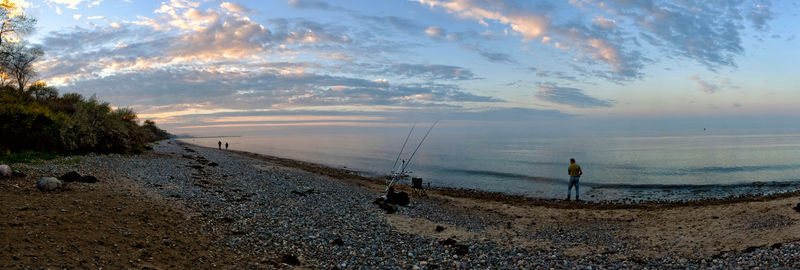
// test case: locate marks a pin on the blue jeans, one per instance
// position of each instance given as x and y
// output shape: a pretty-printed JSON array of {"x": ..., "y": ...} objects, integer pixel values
[{"x": 574, "y": 181}]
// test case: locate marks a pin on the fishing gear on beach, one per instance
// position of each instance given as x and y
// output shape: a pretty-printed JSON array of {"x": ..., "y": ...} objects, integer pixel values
[{"x": 397, "y": 175}]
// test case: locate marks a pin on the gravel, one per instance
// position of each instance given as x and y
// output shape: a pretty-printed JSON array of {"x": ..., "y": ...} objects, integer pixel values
[{"x": 337, "y": 226}]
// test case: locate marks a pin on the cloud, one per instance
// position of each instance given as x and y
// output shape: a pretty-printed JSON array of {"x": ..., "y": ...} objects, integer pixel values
[
  {"x": 506, "y": 114},
  {"x": 570, "y": 96},
  {"x": 703, "y": 85},
  {"x": 760, "y": 13},
  {"x": 234, "y": 7},
  {"x": 194, "y": 115},
  {"x": 494, "y": 57},
  {"x": 529, "y": 25},
  {"x": 272, "y": 86},
  {"x": 386, "y": 23},
  {"x": 312, "y": 4},
  {"x": 434, "y": 31},
  {"x": 430, "y": 72},
  {"x": 560, "y": 75},
  {"x": 709, "y": 33},
  {"x": 497, "y": 57},
  {"x": 604, "y": 23},
  {"x": 706, "y": 32},
  {"x": 71, "y": 4}
]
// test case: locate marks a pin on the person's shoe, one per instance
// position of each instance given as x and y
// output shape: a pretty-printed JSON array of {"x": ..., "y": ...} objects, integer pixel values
[
  {"x": 567, "y": 198},
  {"x": 577, "y": 199}
]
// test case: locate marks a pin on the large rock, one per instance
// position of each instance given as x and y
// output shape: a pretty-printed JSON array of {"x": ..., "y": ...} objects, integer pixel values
[
  {"x": 48, "y": 184},
  {"x": 5, "y": 171}
]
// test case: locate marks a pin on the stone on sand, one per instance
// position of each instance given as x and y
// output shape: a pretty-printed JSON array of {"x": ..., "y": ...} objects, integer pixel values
[
  {"x": 72, "y": 176},
  {"x": 5, "y": 171},
  {"x": 48, "y": 184}
]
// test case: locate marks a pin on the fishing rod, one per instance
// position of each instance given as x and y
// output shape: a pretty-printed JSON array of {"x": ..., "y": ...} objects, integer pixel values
[
  {"x": 405, "y": 165},
  {"x": 420, "y": 144},
  {"x": 403, "y": 148}
]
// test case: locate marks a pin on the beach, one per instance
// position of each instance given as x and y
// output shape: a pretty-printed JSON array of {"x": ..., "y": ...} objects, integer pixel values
[{"x": 186, "y": 206}]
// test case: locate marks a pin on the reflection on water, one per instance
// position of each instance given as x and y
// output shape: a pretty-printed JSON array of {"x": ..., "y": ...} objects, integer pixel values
[{"x": 616, "y": 167}]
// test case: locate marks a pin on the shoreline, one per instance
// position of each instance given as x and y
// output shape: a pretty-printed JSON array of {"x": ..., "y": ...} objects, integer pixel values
[
  {"x": 519, "y": 200},
  {"x": 243, "y": 210}
]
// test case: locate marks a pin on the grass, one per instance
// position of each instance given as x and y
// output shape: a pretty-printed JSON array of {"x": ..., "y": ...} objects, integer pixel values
[
  {"x": 28, "y": 157},
  {"x": 70, "y": 160}
]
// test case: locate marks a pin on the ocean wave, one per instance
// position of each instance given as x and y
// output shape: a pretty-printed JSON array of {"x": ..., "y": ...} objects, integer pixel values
[
  {"x": 546, "y": 180},
  {"x": 722, "y": 169}
]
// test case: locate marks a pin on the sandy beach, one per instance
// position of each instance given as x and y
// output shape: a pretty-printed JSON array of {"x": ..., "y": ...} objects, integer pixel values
[{"x": 186, "y": 206}]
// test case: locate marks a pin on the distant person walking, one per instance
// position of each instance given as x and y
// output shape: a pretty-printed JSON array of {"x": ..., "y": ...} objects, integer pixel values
[
  {"x": 575, "y": 173},
  {"x": 226, "y": 145},
  {"x": 220, "y": 145}
]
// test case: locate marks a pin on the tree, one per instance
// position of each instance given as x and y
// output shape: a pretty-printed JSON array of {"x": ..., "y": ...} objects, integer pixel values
[
  {"x": 13, "y": 22},
  {"x": 17, "y": 60},
  {"x": 18, "y": 64},
  {"x": 41, "y": 90}
]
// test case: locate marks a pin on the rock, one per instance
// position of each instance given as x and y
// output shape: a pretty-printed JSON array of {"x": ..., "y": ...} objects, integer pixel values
[
  {"x": 460, "y": 249},
  {"x": 290, "y": 259},
  {"x": 213, "y": 164},
  {"x": 797, "y": 207},
  {"x": 5, "y": 171},
  {"x": 18, "y": 174},
  {"x": 338, "y": 242},
  {"x": 390, "y": 208},
  {"x": 448, "y": 242},
  {"x": 228, "y": 219},
  {"x": 751, "y": 249},
  {"x": 48, "y": 184},
  {"x": 440, "y": 228},
  {"x": 88, "y": 179},
  {"x": 72, "y": 176}
]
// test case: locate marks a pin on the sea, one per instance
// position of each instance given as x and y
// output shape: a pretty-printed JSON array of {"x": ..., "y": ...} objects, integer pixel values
[{"x": 624, "y": 166}]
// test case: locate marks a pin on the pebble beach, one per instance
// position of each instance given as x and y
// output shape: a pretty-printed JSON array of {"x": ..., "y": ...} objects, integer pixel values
[{"x": 247, "y": 212}]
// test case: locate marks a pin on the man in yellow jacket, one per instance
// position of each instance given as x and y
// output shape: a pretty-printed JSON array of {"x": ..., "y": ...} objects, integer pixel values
[{"x": 575, "y": 173}]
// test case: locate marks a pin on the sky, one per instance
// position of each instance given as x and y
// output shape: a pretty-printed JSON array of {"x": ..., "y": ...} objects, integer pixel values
[{"x": 200, "y": 65}]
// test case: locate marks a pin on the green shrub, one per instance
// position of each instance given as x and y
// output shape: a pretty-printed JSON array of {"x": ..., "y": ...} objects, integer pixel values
[
  {"x": 29, "y": 126},
  {"x": 71, "y": 123},
  {"x": 25, "y": 157}
]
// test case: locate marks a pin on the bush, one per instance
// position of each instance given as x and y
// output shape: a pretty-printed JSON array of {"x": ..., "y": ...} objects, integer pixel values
[
  {"x": 25, "y": 157},
  {"x": 70, "y": 123},
  {"x": 29, "y": 127}
]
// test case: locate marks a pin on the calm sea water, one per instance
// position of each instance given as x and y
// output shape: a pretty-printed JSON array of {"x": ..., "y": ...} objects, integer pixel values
[{"x": 618, "y": 167}]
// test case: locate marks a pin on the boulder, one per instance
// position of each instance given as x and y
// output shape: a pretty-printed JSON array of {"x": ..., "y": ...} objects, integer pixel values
[
  {"x": 390, "y": 208},
  {"x": 72, "y": 176},
  {"x": 398, "y": 198},
  {"x": 48, "y": 184},
  {"x": 5, "y": 171}
]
